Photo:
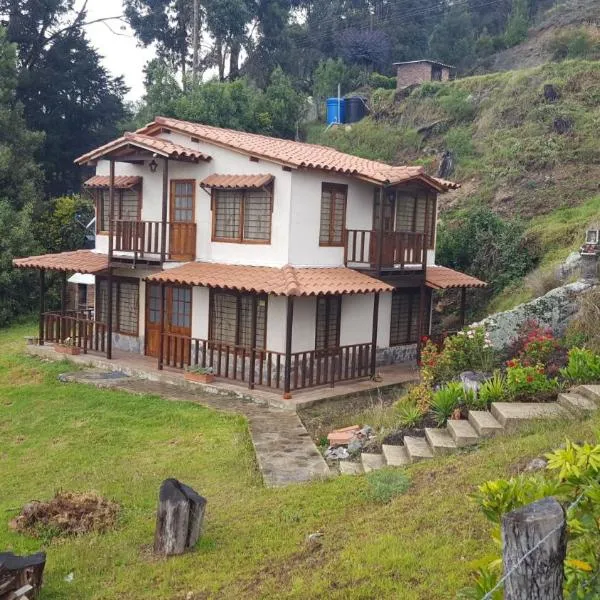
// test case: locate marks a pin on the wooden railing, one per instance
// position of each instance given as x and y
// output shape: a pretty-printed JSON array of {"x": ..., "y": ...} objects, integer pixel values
[
  {"x": 266, "y": 368},
  {"x": 366, "y": 248},
  {"x": 144, "y": 239},
  {"x": 75, "y": 329}
]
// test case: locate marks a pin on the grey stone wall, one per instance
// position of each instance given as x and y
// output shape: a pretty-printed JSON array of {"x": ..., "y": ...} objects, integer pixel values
[
  {"x": 128, "y": 343},
  {"x": 551, "y": 310},
  {"x": 396, "y": 354}
]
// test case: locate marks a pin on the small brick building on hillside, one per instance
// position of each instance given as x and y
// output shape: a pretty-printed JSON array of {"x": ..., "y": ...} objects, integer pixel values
[{"x": 420, "y": 71}]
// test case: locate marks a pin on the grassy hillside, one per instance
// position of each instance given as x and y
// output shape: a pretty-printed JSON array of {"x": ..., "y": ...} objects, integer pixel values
[{"x": 516, "y": 152}]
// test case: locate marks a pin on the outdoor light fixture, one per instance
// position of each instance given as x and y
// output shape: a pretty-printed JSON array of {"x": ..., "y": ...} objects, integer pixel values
[{"x": 153, "y": 165}]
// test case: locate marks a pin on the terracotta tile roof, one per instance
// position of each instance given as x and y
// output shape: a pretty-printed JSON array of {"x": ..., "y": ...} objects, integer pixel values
[
  {"x": 79, "y": 261},
  {"x": 287, "y": 281},
  {"x": 298, "y": 154},
  {"x": 145, "y": 142},
  {"x": 443, "y": 278},
  {"x": 236, "y": 181},
  {"x": 123, "y": 182}
]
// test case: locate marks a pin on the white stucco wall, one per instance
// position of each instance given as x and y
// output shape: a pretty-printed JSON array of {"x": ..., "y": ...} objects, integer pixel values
[{"x": 200, "y": 308}]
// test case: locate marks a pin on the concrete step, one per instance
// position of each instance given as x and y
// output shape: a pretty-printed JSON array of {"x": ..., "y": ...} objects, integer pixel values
[
  {"x": 440, "y": 440},
  {"x": 462, "y": 432},
  {"x": 348, "y": 467},
  {"x": 372, "y": 462},
  {"x": 417, "y": 448},
  {"x": 510, "y": 414},
  {"x": 591, "y": 392},
  {"x": 395, "y": 456},
  {"x": 484, "y": 423},
  {"x": 577, "y": 403}
]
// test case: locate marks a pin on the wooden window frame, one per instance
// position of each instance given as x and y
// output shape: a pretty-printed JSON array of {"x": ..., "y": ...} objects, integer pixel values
[
  {"x": 172, "y": 206},
  {"x": 328, "y": 298},
  {"x": 240, "y": 239},
  {"x": 333, "y": 187},
  {"x": 413, "y": 308},
  {"x": 116, "y": 303},
  {"x": 238, "y": 312},
  {"x": 118, "y": 204}
]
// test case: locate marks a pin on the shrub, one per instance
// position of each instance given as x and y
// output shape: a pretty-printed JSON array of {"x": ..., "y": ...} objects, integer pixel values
[
  {"x": 377, "y": 80},
  {"x": 584, "y": 328},
  {"x": 420, "y": 395},
  {"x": 445, "y": 401},
  {"x": 525, "y": 380},
  {"x": 493, "y": 390},
  {"x": 409, "y": 414},
  {"x": 471, "y": 400},
  {"x": 386, "y": 484},
  {"x": 583, "y": 366}
]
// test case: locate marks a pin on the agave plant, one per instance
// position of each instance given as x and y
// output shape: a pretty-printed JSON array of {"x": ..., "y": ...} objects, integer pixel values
[
  {"x": 493, "y": 390},
  {"x": 445, "y": 401},
  {"x": 409, "y": 414}
]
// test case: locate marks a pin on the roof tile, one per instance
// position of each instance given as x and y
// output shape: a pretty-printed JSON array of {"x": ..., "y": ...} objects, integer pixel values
[
  {"x": 236, "y": 181},
  {"x": 79, "y": 261},
  {"x": 443, "y": 278},
  {"x": 122, "y": 182}
]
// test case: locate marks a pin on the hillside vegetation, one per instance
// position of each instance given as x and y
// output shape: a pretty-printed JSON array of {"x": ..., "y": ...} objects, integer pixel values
[{"x": 523, "y": 150}]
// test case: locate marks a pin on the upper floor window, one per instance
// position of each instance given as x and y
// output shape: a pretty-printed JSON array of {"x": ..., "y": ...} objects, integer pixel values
[
  {"x": 333, "y": 214},
  {"x": 329, "y": 310},
  {"x": 242, "y": 215},
  {"x": 126, "y": 207}
]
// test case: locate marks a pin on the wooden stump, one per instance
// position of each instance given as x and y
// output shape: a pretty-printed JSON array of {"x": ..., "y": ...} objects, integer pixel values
[
  {"x": 21, "y": 576},
  {"x": 540, "y": 575},
  {"x": 178, "y": 519}
]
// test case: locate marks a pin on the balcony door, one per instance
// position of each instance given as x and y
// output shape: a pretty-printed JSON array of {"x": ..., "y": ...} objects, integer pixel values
[
  {"x": 178, "y": 320},
  {"x": 182, "y": 236},
  {"x": 389, "y": 239}
]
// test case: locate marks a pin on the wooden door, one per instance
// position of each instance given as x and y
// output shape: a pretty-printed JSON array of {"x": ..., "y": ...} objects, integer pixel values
[
  {"x": 178, "y": 323},
  {"x": 389, "y": 238},
  {"x": 182, "y": 234}
]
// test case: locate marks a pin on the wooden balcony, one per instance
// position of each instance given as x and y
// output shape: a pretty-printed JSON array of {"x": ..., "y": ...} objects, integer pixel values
[
  {"x": 385, "y": 251},
  {"x": 142, "y": 240},
  {"x": 77, "y": 328}
]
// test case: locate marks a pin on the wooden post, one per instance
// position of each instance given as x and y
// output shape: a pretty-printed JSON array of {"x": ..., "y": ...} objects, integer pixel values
[
  {"x": 161, "y": 341},
  {"x": 420, "y": 318},
  {"x": 287, "y": 377},
  {"x": 538, "y": 529},
  {"x": 21, "y": 576},
  {"x": 178, "y": 519},
  {"x": 111, "y": 209},
  {"x": 251, "y": 375},
  {"x": 42, "y": 306},
  {"x": 109, "y": 313},
  {"x": 380, "y": 232},
  {"x": 165, "y": 204},
  {"x": 374, "y": 333},
  {"x": 463, "y": 307}
]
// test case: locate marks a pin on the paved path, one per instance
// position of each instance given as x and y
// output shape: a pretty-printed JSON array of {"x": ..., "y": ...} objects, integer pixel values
[{"x": 285, "y": 452}]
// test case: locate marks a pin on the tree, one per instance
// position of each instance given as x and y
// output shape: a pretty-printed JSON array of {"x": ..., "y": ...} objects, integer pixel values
[
  {"x": 368, "y": 49},
  {"x": 326, "y": 77},
  {"x": 518, "y": 23},
  {"x": 283, "y": 105},
  {"x": 453, "y": 39}
]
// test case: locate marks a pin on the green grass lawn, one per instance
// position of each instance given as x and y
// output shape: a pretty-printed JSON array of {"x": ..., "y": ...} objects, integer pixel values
[{"x": 421, "y": 545}]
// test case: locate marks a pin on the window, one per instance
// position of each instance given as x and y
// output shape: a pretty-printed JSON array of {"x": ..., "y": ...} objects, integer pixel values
[
  {"x": 333, "y": 214},
  {"x": 404, "y": 322},
  {"x": 125, "y": 313},
  {"x": 231, "y": 319},
  {"x": 242, "y": 215},
  {"x": 127, "y": 207},
  {"x": 328, "y": 322},
  {"x": 182, "y": 200},
  {"x": 181, "y": 307}
]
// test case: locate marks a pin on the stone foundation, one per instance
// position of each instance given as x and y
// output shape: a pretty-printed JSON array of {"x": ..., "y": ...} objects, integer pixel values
[{"x": 396, "y": 355}]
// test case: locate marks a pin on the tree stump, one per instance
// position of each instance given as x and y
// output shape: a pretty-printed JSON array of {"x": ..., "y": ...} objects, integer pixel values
[
  {"x": 21, "y": 573},
  {"x": 178, "y": 519},
  {"x": 540, "y": 575}
]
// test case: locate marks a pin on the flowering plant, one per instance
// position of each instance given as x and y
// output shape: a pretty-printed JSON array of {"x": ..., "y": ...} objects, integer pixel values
[{"x": 525, "y": 380}]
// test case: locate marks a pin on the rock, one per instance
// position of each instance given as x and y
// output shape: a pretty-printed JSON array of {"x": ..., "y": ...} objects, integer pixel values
[
  {"x": 446, "y": 167},
  {"x": 562, "y": 125},
  {"x": 337, "y": 453},
  {"x": 571, "y": 265},
  {"x": 314, "y": 540},
  {"x": 472, "y": 380},
  {"x": 550, "y": 93},
  {"x": 355, "y": 446},
  {"x": 537, "y": 464}
]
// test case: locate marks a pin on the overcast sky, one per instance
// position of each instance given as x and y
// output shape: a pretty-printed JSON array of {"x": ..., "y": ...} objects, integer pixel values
[{"x": 120, "y": 50}]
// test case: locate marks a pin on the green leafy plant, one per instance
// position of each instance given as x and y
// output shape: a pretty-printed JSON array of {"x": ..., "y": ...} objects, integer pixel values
[
  {"x": 583, "y": 366},
  {"x": 493, "y": 390},
  {"x": 420, "y": 395},
  {"x": 445, "y": 401},
  {"x": 386, "y": 484},
  {"x": 198, "y": 370},
  {"x": 409, "y": 414},
  {"x": 524, "y": 381},
  {"x": 472, "y": 400}
]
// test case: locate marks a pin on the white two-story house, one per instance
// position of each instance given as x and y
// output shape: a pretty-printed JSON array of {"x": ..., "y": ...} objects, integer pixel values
[{"x": 275, "y": 263}]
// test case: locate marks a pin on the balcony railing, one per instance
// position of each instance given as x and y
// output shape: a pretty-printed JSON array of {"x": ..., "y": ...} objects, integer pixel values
[
  {"x": 76, "y": 328},
  {"x": 263, "y": 367},
  {"x": 369, "y": 249},
  {"x": 143, "y": 239}
]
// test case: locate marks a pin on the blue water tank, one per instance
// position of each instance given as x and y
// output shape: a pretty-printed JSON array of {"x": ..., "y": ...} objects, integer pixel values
[{"x": 335, "y": 110}]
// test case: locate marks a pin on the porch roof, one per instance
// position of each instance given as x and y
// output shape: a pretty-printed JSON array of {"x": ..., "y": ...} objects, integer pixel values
[
  {"x": 443, "y": 278},
  {"x": 79, "y": 261},
  {"x": 285, "y": 281},
  {"x": 137, "y": 141},
  {"x": 225, "y": 182},
  {"x": 122, "y": 182}
]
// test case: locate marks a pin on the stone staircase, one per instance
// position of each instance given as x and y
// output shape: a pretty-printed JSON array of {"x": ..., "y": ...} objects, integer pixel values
[{"x": 503, "y": 416}]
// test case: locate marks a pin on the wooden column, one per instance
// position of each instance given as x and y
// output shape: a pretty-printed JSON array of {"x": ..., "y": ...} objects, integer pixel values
[
  {"x": 165, "y": 205},
  {"x": 288, "y": 348},
  {"x": 534, "y": 574},
  {"x": 374, "y": 333},
  {"x": 463, "y": 306},
  {"x": 109, "y": 313},
  {"x": 420, "y": 318},
  {"x": 380, "y": 231},
  {"x": 42, "y": 306},
  {"x": 252, "y": 374},
  {"x": 161, "y": 340},
  {"x": 63, "y": 306},
  {"x": 111, "y": 209}
]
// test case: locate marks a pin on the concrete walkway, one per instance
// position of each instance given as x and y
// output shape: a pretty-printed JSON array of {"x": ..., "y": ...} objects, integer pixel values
[{"x": 284, "y": 450}]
